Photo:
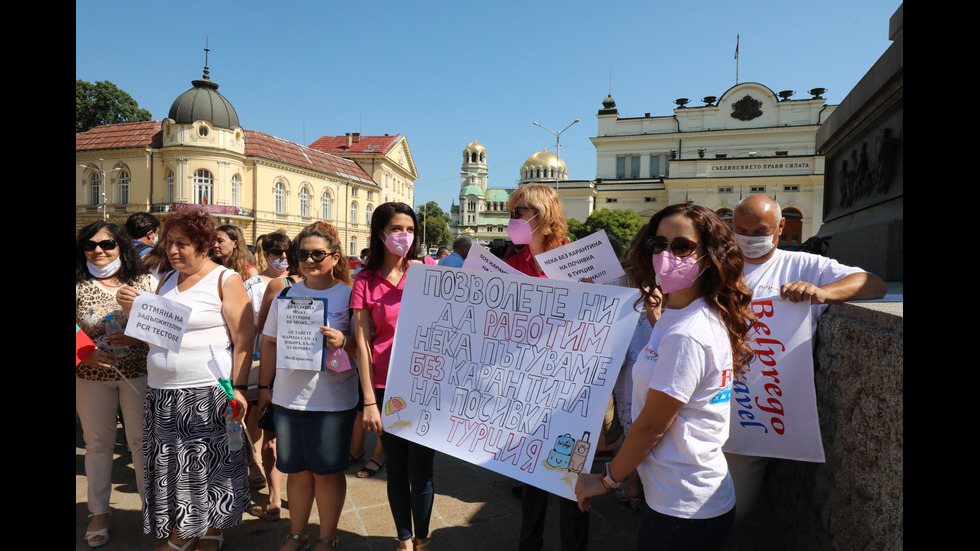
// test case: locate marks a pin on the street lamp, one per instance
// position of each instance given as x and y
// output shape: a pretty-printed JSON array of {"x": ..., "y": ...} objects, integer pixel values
[
  {"x": 557, "y": 143},
  {"x": 102, "y": 185}
]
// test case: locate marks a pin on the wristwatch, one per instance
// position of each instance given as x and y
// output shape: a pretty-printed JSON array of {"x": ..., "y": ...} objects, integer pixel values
[{"x": 608, "y": 481}]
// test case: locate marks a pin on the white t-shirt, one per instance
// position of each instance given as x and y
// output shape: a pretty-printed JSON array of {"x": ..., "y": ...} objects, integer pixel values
[
  {"x": 788, "y": 266},
  {"x": 206, "y": 327},
  {"x": 316, "y": 390},
  {"x": 689, "y": 358}
]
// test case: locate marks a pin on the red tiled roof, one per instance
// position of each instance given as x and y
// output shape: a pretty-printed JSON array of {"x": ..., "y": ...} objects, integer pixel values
[
  {"x": 368, "y": 144},
  {"x": 260, "y": 144},
  {"x": 120, "y": 136}
]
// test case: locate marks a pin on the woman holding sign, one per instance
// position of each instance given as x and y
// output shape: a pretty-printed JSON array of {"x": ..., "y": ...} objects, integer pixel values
[
  {"x": 682, "y": 381},
  {"x": 314, "y": 408},
  {"x": 376, "y": 301},
  {"x": 197, "y": 483},
  {"x": 537, "y": 220},
  {"x": 114, "y": 374}
]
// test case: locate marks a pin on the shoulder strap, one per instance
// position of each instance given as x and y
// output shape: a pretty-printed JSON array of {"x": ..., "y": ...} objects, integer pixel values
[{"x": 289, "y": 282}]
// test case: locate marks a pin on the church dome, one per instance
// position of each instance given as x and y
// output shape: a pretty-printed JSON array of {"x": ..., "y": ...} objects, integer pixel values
[
  {"x": 544, "y": 159},
  {"x": 472, "y": 190},
  {"x": 203, "y": 102},
  {"x": 475, "y": 146}
]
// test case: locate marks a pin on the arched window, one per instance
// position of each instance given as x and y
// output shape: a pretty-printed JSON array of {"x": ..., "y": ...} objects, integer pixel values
[
  {"x": 236, "y": 191},
  {"x": 94, "y": 194},
  {"x": 123, "y": 181},
  {"x": 279, "y": 198},
  {"x": 170, "y": 186},
  {"x": 353, "y": 213},
  {"x": 304, "y": 202},
  {"x": 325, "y": 206},
  {"x": 367, "y": 214},
  {"x": 203, "y": 187}
]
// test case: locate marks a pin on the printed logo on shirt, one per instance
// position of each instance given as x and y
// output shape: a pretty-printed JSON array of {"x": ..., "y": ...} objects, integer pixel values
[
  {"x": 649, "y": 354},
  {"x": 726, "y": 382},
  {"x": 337, "y": 315}
]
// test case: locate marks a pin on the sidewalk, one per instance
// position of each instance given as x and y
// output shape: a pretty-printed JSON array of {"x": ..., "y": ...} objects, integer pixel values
[{"x": 474, "y": 510}]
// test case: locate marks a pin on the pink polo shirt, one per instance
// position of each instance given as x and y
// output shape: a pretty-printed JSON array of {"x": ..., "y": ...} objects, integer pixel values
[
  {"x": 374, "y": 293},
  {"x": 524, "y": 263}
]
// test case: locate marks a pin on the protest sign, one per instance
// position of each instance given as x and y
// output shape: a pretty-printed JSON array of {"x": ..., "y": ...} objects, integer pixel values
[
  {"x": 591, "y": 257},
  {"x": 511, "y": 373},
  {"x": 158, "y": 321},
  {"x": 774, "y": 409},
  {"x": 481, "y": 259},
  {"x": 299, "y": 343}
]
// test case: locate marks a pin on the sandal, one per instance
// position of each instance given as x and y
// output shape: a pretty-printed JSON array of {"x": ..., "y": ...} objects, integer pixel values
[
  {"x": 90, "y": 536},
  {"x": 330, "y": 543},
  {"x": 303, "y": 546},
  {"x": 356, "y": 460},
  {"x": 219, "y": 537},
  {"x": 257, "y": 482},
  {"x": 367, "y": 472},
  {"x": 185, "y": 547},
  {"x": 265, "y": 512}
]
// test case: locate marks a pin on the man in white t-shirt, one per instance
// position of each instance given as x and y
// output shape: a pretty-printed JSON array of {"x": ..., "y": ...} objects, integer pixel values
[{"x": 797, "y": 277}]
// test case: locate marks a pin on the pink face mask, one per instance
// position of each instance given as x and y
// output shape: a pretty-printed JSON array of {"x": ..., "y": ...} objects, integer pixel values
[
  {"x": 675, "y": 273},
  {"x": 520, "y": 231},
  {"x": 398, "y": 243}
]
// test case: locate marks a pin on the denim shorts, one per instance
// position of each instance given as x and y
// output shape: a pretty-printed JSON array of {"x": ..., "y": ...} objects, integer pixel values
[{"x": 314, "y": 441}]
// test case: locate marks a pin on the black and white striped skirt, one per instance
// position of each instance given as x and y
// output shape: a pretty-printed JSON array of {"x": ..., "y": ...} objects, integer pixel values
[{"x": 192, "y": 480}]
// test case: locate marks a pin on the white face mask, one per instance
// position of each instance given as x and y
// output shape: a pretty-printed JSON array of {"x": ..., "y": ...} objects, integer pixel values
[
  {"x": 754, "y": 246},
  {"x": 109, "y": 270}
]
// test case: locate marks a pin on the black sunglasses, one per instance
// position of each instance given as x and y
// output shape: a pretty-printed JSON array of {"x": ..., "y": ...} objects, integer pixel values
[
  {"x": 105, "y": 245},
  {"x": 518, "y": 212},
  {"x": 277, "y": 252},
  {"x": 317, "y": 255},
  {"x": 680, "y": 246}
]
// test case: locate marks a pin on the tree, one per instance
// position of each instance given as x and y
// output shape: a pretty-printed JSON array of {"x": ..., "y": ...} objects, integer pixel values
[
  {"x": 434, "y": 225},
  {"x": 621, "y": 224},
  {"x": 104, "y": 103}
]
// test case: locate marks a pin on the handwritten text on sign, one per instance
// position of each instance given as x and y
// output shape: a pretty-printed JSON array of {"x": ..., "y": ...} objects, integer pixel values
[
  {"x": 591, "y": 257},
  {"x": 774, "y": 410},
  {"x": 158, "y": 321},
  {"x": 509, "y": 372}
]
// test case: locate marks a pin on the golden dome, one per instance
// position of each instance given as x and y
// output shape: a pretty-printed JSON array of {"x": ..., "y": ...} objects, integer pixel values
[
  {"x": 543, "y": 159},
  {"x": 475, "y": 146}
]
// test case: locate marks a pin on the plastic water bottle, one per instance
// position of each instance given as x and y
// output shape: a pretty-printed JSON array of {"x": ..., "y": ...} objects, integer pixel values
[
  {"x": 111, "y": 326},
  {"x": 234, "y": 431}
]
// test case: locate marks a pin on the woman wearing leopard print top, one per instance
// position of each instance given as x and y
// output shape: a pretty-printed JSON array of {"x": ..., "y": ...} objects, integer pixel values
[{"x": 105, "y": 260}]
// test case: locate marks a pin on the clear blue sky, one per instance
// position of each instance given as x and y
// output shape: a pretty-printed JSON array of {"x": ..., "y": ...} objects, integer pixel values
[{"x": 446, "y": 73}]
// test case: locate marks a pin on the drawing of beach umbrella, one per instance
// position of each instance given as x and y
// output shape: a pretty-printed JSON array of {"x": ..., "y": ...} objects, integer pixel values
[{"x": 394, "y": 405}]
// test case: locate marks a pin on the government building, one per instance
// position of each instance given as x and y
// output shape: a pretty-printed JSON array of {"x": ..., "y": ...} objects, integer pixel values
[
  {"x": 748, "y": 140},
  {"x": 201, "y": 157}
]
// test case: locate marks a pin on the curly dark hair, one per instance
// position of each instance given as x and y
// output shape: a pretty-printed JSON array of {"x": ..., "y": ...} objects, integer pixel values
[
  {"x": 720, "y": 281},
  {"x": 132, "y": 265},
  {"x": 379, "y": 219},
  {"x": 197, "y": 225}
]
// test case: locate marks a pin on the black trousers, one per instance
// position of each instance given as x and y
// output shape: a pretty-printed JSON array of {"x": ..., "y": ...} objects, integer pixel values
[{"x": 574, "y": 527}]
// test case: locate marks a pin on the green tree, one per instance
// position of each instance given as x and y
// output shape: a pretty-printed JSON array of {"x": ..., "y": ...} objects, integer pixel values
[
  {"x": 104, "y": 103},
  {"x": 621, "y": 224},
  {"x": 434, "y": 225},
  {"x": 576, "y": 229}
]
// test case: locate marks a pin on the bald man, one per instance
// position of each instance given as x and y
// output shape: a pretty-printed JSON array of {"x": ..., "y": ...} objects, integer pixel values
[{"x": 797, "y": 277}]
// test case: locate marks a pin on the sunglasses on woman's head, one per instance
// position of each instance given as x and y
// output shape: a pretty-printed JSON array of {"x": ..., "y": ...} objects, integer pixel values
[
  {"x": 317, "y": 255},
  {"x": 680, "y": 246},
  {"x": 105, "y": 245}
]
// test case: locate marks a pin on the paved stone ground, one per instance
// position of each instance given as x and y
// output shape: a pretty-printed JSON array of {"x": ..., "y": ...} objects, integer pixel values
[{"x": 474, "y": 510}]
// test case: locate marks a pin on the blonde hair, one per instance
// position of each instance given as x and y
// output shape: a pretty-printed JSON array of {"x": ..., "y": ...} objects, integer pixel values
[{"x": 551, "y": 216}]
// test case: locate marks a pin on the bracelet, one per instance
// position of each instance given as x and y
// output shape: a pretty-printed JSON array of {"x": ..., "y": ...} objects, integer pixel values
[
  {"x": 240, "y": 387},
  {"x": 371, "y": 404},
  {"x": 265, "y": 387}
]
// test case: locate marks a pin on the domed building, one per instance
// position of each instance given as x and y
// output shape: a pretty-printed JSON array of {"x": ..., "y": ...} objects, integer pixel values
[
  {"x": 201, "y": 157},
  {"x": 482, "y": 211},
  {"x": 543, "y": 167}
]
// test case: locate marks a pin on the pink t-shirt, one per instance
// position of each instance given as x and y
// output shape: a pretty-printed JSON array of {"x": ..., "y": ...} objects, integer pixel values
[
  {"x": 374, "y": 293},
  {"x": 524, "y": 263}
]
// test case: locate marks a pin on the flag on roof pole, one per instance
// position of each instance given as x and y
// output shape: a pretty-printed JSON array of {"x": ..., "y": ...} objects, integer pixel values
[
  {"x": 736, "y": 46},
  {"x": 687, "y": 196},
  {"x": 740, "y": 192}
]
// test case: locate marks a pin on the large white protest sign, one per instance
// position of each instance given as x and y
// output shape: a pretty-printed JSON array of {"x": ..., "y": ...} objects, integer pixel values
[
  {"x": 158, "y": 321},
  {"x": 481, "y": 259},
  {"x": 591, "y": 257},
  {"x": 512, "y": 373},
  {"x": 774, "y": 410}
]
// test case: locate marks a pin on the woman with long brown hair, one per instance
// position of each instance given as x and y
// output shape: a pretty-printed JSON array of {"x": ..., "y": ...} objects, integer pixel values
[
  {"x": 682, "y": 381},
  {"x": 230, "y": 251}
]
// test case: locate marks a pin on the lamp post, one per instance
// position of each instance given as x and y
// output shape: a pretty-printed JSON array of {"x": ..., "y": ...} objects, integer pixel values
[
  {"x": 102, "y": 185},
  {"x": 557, "y": 143}
]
